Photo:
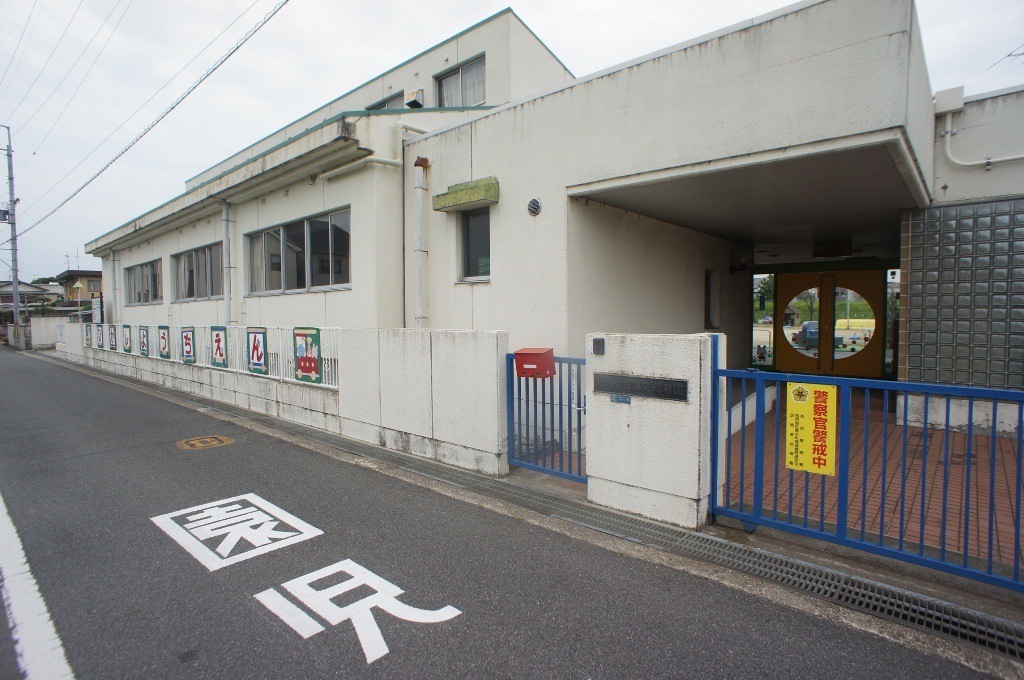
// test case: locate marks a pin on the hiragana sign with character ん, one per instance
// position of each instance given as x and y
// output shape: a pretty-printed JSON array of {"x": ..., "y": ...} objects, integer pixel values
[{"x": 256, "y": 340}]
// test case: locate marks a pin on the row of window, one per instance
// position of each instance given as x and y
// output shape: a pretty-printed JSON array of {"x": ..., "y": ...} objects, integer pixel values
[
  {"x": 464, "y": 86},
  {"x": 300, "y": 255}
]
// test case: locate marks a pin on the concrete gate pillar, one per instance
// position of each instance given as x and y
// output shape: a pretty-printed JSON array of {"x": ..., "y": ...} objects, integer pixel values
[{"x": 648, "y": 448}]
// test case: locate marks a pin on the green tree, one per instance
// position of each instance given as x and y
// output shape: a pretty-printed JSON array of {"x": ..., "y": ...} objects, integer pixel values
[
  {"x": 45, "y": 279},
  {"x": 766, "y": 287},
  {"x": 810, "y": 300}
]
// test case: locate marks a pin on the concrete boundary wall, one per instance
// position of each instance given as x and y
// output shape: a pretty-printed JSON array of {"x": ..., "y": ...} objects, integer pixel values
[
  {"x": 44, "y": 331},
  {"x": 437, "y": 394},
  {"x": 310, "y": 405},
  {"x": 646, "y": 455}
]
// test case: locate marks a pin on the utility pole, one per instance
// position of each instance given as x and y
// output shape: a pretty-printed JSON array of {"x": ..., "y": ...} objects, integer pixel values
[{"x": 14, "y": 232}]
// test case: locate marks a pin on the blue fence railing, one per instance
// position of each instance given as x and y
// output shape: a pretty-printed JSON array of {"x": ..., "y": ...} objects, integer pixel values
[
  {"x": 929, "y": 474},
  {"x": 546, "y": 423}
]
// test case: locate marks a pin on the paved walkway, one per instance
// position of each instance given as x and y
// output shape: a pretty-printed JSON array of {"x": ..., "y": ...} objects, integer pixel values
[{"x": 933, "y": 492}]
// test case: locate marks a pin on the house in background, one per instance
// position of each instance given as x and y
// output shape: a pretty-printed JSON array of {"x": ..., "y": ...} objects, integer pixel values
[
  {"x": 29, "y": 293},
  {"x": 81, "y": 284}
]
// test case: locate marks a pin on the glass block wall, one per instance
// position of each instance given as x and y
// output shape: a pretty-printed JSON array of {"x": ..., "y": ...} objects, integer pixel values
[{"x": 962, "y": 295}]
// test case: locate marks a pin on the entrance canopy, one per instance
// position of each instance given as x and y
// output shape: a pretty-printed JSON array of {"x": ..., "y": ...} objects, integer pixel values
[{"x": 828, "y": 199}]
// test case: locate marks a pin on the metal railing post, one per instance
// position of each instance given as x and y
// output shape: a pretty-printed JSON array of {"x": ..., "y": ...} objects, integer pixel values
[
  {"x": 759, "y": 406},
  {"x": 510, "y": 403},
  {"x": 842, "y": 502},
  {"x": 715, "y": 428}
]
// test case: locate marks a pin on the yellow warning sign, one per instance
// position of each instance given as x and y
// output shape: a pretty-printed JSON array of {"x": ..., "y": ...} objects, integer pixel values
[
  {"x": 811, "y": 428},
  {"x": 209, "y": 442}
]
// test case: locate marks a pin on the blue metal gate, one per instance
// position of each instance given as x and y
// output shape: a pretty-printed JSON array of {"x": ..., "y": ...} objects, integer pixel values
[
  {"x": 546, "y": 424},
  {"x": 929, "y": 474}
]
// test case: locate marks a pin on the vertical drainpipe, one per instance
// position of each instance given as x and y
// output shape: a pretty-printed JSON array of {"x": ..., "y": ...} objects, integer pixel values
[
  {"x": 419, "y": 242},
  {"x": 113, "y": 301},
  {"x": 226, "y": 260}
]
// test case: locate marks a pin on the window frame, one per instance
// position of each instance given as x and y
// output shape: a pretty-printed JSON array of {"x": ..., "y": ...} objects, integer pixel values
[
  {"x": 464, "y": 246},
  {"x": 133, "y": 283},
  {"x": 457, "y": 70},
  {"x": 712, "y": 299},
  {"x": 382, "y": 104},
  {"x": 308, "y": 256},
  {"x": 206, "y": 252},
  {"x": 93, "y": 286}
]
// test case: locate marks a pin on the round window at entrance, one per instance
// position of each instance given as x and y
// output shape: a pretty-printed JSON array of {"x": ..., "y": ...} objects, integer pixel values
[
  {"x": 855, "y": 323},
  {"x": 800, "y": 322}
]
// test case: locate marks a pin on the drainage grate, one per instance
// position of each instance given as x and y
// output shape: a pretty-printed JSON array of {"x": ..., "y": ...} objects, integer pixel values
[
  {"x": 872, "y": 597},
  {"x": 865, "y": 595}
]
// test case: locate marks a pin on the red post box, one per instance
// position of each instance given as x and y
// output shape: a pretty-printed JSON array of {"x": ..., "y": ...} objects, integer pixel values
[{"x": 535, "y": 362}]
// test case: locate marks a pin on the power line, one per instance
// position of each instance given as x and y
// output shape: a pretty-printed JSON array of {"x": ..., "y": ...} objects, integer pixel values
[
  {"x": 134, "y": 113},
  {"x": 78, "y": 59},
  {"x": 20, "y": 37},
  {"x": 1012, "y": 55},
  {"x": 31, "y": 32},
  {"x": 79, "y": 87},
  {"x": 163, "y": 115},
  {"x": 47, "y": 62}
]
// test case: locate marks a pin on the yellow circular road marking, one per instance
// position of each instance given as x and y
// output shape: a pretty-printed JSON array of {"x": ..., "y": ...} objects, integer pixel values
[{"x": 209, "y": 442}]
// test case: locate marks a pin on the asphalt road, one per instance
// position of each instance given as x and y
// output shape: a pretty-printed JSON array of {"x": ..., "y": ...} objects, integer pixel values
[{"x": 86, "y": 464}]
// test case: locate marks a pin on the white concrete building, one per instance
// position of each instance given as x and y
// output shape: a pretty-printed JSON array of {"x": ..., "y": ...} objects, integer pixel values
[
  {"x": 805, "y": 143},
  {"x": 305, "y": 226}
]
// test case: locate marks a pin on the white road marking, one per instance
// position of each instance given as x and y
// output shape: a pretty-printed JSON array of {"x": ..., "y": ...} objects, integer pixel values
[
  {"x": 38, "y": 648},
  {"x": 360, "y": 613},
  {"x": 299, "y": 621},
  {"x": 247, "y": 517}
]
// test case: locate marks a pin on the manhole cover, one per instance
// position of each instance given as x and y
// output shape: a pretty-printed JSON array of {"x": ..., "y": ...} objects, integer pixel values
[{"x": 210, "y": 442}]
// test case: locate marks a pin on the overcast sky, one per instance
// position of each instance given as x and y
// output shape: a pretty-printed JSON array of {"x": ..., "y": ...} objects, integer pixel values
[{"x": 311, "y": 52}]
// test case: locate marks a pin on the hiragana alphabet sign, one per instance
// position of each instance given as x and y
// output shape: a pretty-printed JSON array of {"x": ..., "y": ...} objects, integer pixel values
[
  {"x": 188, "y": 345},
  {"x": 218, "y": 347},
  {"x": 164, "y": 340},
  {"x": 256, "y": 339},
  {"x": 144, "y": 341},
  {"x": 126, "y": 339}
]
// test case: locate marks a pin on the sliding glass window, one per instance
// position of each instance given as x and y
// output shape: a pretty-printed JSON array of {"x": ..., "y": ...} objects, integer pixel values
[
  {"x": 142, "y": 283},
  {"x": 301, "y": 255},
  {"x": 199, "y": 273}
]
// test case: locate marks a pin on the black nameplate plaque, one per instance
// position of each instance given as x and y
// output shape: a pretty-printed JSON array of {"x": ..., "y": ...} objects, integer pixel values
[{"x": 657, "y": 388}]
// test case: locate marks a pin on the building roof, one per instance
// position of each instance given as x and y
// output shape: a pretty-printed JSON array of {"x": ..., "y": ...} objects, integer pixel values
[
  {"x": 23, "y": 287},
  {"x": 76, "y": 273}
]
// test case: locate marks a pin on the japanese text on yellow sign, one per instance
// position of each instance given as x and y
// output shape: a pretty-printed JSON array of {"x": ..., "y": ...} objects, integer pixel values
[{"x": 811, "y": 428}]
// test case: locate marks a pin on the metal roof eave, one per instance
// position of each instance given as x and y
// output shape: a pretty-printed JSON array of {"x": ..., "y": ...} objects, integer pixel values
[{"x": 207, "y": 199}]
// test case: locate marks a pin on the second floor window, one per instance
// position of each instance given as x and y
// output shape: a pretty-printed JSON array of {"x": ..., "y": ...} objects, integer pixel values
[
  {"x": 462, "y": 87},
  {"x": 395, "y": 102},
  {"x": 93, "y": 286}
]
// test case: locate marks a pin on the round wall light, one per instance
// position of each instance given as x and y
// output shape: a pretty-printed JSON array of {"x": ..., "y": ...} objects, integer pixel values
[{"x": 533, "y": 207}]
